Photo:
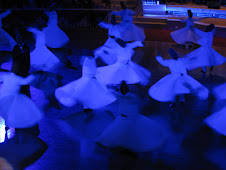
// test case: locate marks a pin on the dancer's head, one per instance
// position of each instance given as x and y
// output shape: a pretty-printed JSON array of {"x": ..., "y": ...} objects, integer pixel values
[
  {"x": 123, "y": 5},
  {"x": 121, "y": 42},
  {"x": 210, "y": 27},
  {"x": 173, "y": 54},
  {"x": 124, "y": 89},
  {"x": 113, "y": 20},
  {"x": 19, "y": 39},
  {"x": 190, "y": 14}
]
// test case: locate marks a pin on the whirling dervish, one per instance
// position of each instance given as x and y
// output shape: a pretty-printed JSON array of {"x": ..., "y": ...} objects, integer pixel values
[
  {"x": 41, "y": 57},
  {"x": 188, "y": 34},
  {"x": 217, "y": 120},
  {"x": 124, "y": 69},
  {"x": 205, "y": 55},
  {"x": 86, "y": 90},
  {"x": 55, "y": 37},
  {"x": 129, "y": 31},
  {"x": 5, "y": 38},
  {"x": 108, "y": 52},
  {"x": 130, "y": 129},
  {"x": 18, "y": 110},
  {"x": 177, "y": 83}
]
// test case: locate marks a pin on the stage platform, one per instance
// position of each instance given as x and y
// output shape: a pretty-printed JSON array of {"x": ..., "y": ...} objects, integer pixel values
[
  {"x": 174, "y": 12},
  {"x": 176, "y": 9}
]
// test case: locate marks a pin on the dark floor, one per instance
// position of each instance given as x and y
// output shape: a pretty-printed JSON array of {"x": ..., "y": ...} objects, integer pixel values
[{"x": 191, "y": 145}]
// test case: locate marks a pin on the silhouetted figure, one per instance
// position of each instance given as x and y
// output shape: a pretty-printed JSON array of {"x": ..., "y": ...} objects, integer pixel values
[
  {"x": 21, "y": 67},
  {"x": 21, "y": 62}
]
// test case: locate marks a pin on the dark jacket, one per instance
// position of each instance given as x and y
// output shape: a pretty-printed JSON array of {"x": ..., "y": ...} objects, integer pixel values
[{"x": 21, "y": 60}]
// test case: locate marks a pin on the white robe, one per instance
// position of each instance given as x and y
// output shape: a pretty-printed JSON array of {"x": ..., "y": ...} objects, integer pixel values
[
  {"x": 6, "y": 41},
  {"x": 128, "y": 30},
  {"x": 186, "y": 34},
  {"x": 176, "y": 83},
  {"x": 217, "y": 120},
  {"x": 220, "y": 91},
  {"x": 108, "y": 52},
  {"x": 18, "y": 110},
  {"x": 41, "y": 57},
  {"x": 55, "y": 37},
  {"x": 205, "y": 55},
  {"x": 87, "y": 90},
  {"x": 132, "y": 131},
  {"x": 124, "y": 69}
]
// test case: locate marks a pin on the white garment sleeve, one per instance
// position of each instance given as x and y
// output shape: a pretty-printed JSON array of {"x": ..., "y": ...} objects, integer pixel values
[
  {"x": 105, "y": 25},
  {"x": 4, "y": 14},
  {"x": 161, "y": 61},
  {"x": 134, "y": 44},
  {"x": 33, "y": 30},
  {"x": 27, "y": 80}
]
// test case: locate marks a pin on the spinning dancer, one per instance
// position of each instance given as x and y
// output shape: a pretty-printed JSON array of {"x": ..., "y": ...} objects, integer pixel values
[
  {"x": 131, "y": 130},
  {"x": 42, "y": 58},
  {"x": 124, "y": 69},
  {"x": 187, "y": 34},
  {"x": 17, "y": 109},
  {"x": 217, "y": 120},
  {"x": 5, "y": 38},
  {"x": 108, "y": 52},
  {"x": 55, "y": 37},
  {"x": 205, "y": 55},
  {"x": 129, "y": 31},
  {"x": 177, "y": 83},
  {"x": 87, "y": 90}
]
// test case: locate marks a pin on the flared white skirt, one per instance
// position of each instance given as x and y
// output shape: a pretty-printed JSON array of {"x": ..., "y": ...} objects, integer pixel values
[
  {"x": 131, "y": 32},
  {"x": 87, "y": 91},
  {"x": 204, "y": 56},
  {"x": 136, "y": 133},
  {"x": 55, "y": 37},
  {"x": 217, "y": 120},
  {"x": 43, "y": 59},
  {"x": 107, "y": 52},
  {"x": 186, "y": 34},
  {"x": 19, "y": 111},
  {"x": 220, "y": 91},
  {"x": 166, "y": 89},
  {"x": 132, "y": 73}
]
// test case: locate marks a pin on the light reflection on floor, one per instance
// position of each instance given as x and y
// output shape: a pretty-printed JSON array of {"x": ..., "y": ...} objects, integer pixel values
[{"x": 10, "y": 132}]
